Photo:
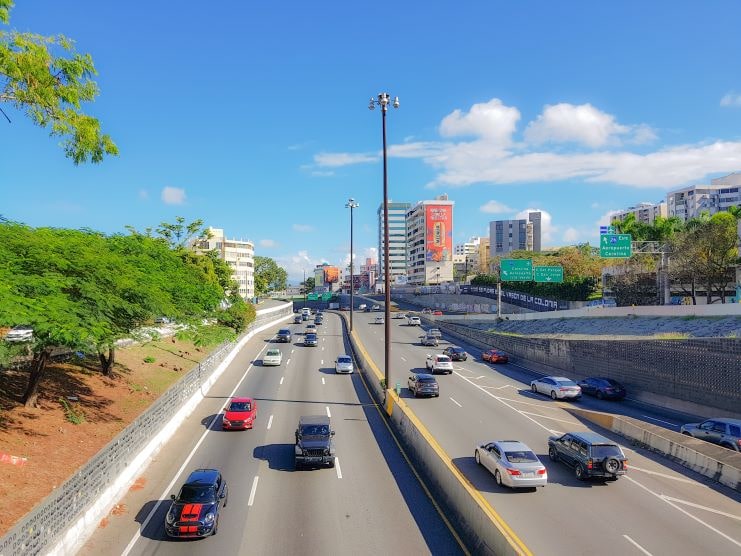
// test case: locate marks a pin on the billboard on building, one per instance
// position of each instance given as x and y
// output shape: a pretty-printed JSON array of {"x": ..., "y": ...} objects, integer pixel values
[
  {"x": 439, "y": 233},
  {"x": 319, "y": 276},
  {"x": 331, "y": 274}
]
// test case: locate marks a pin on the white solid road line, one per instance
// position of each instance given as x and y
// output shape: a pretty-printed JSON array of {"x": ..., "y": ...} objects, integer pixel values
[
  {"x": 323, "y": 381},
  {"x": 699, "y": 507},
  {"x": 151, "y": 514},
  {"x": 666, "y": 475},
  {"x": 455, "y": 402},
  {"x": 337, "y": 467},
  {"x": 660, "y": 421},
  {"x": 673, "y": 505},
  {"x": 638, "y": 546},
  {"x": 281, "y": 379},
  {"x": 328, "y": 413},
  {"x": 253, "y": 491},
  {"x": 551, "y": 418}
]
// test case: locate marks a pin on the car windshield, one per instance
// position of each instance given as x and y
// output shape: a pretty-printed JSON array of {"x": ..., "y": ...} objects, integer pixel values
[
  {"x": 196, "y": 494},
  {"x": 443, "y": 359},
  {"x": 311, "y": 336},
  {"x": 606, "y": 450},
  {"x": 457, "y": 350},
  {"x": 521, "y": 456},
  {"x": 344, "y": 360},
  {"x": 240, "y": 406},
  {"x": 427, "y": 379},
  {"x": 566, "y": 383},
  {"x": 315, "y": 430},
  {"x": 284, "y": 331},
  {"x": 273, "y": 352}
]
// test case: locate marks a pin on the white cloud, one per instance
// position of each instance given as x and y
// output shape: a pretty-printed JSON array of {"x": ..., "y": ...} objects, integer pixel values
[
  {"x": 296, "y": 264},
  {"x": 304, "y": 228},
  {"x": 268, "y": 243},
  {"x": 547, "y": 229},
  {"x": 343, "y": 159},
  {"x": 495, "y": 207},
  {"x": 731, "y": 99},
  {"x": 605, "y": 219},
  {"x": 371, "y": 253},
  {"x": 173, "y": 195},
  {"x": 491, "y": 121},
  {"x": 584, "y": 124},
  {"x": 571, "y": 235}
]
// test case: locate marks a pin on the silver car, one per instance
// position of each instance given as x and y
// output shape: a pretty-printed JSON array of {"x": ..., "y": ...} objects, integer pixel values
[
  {"x": 428, "y": 340},
  {"x": 343, "y": 365},
  {"x": 421, "y": 384},
  {"x": 512, "y": 463},
  {"x": 557, "y": 387},
  {"x": 722, "y": 431}
]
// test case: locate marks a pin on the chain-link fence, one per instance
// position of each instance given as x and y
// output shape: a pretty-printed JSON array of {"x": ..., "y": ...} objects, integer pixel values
[{"x": 36, "y": 531}]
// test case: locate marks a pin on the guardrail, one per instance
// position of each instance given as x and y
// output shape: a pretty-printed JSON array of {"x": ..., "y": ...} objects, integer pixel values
[{"x": 66, "y": 507}]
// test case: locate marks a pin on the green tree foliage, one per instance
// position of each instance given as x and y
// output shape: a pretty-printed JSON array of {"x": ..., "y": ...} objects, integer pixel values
[
  {"x": 269, "y": 276},
  {"x": 662, "y": 228},
  {"x": 238, "y": 316},
  {"x": 48, "y": 81},
  {"x": 309, "y": 284}
]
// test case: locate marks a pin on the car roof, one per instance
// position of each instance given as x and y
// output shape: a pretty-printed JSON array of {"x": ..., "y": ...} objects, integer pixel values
[
  {"x": 424, "y": 375},
  {"x": 725, "y": 420},
  {"x": 592, "y": 438},
  {"x": 343, "y": 355},
  {"x": 313, "y": 420},
  {"x": 512, "y": 445},
  {"x": 282, "y": 330},
  {"x": 558, "y": 378},
  {"x": 203, "y": 476}
]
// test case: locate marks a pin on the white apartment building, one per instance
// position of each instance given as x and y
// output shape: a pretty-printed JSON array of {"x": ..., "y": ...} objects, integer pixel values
[
  {"x": 689, "y": 202},
  {"x": 397, "y": 242},
  {"x": 644, "y": 212},
  {"x": 506, "y": 236},
  {"x": 430, "y": 242},
  {"x": 239, "y": 255}
]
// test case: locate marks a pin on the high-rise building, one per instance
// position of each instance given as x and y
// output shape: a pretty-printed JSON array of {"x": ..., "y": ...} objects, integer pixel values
[
  {"x": 689, "y": 202},
  {"x": 239, "y": 254},
  {"x": 397, "y": 242},
  {"x": 506, "y": 236},
  {"x": 644, "y": 212},
  {"x": 484, "y": 255},
  {"x": 430, "y": 242}
]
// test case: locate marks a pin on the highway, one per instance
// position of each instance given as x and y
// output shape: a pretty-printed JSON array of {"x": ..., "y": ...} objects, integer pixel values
[
  {"x": 370, "y": 502},
  {"x": 658, "y": 508}
]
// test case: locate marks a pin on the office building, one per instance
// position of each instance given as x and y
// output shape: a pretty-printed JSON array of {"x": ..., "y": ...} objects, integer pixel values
[
  {"x": 643, "y": 212},
  {"x": 689, "y": 202},
  {"x": 506, "y": 236},
  {"x": 397, "y": 242},
  {"x": 430, "y": 242},
  {"x": 239, "y": 254}
]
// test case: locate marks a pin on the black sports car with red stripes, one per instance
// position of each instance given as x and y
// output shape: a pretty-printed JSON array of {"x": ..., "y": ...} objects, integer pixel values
[{"x": 194, "y": 512}]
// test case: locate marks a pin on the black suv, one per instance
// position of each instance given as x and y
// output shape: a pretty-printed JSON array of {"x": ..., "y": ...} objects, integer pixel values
[
  {"x": 590, "y": 454},
  {"x": 194, "y": 512},
  {"x": 456, "y": 353},
  {"x": 314, "y": 443},
  {"x": 284, "y": 335}
]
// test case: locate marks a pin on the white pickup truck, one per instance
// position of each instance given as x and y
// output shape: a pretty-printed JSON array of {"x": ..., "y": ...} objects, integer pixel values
[{"x": 439, "y": 364}]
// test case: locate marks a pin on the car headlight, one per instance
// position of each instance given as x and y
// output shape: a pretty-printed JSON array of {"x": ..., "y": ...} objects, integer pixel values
[
  {"x": 226, "y": 422},
  {"x": 170, "y": 518},
  {"x": 209, "y": 517},
  {"x": 326, "y": 451},
  {"x": 298, "y": 451}
]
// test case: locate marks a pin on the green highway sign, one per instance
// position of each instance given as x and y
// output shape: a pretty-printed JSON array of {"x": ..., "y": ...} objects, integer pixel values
[
  {"x": 615, "y": 246},
  {"x": 326, "y": 296},
  {"x": 313, "y": 297},
  {"x": 552, "y": 274},
  {"x": 516, "y": 270}
]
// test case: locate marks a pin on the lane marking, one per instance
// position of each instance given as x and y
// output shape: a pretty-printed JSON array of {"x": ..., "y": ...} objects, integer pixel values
[
  {"x": 292, "y": 350},
  {"x": 281, "y": 379},
  {"x": 270, "y": 422},
  {"x": 673, "y": 505},
  {"x": 501, "y": 387},
  {"x": 321, "y": 362},
  {"x": 700, "y": 507},
  {"x": 666, "y": 475},
  {"x": 455, "y": 402},
  {"x": 660, "y": 421},
  {"x": 322, "y": 348},
  {"x": 551, "y": 418},
  {"x": 253, "y": 491},
  {"x": 403, "y": 358},
  {"x": 288, "y": 362},
  {"x": 323, "y": 381},
  {"x": 186, "y": 462},
  {"x": 638, "y": 546},
  {"x": 328, "y": 413},
  {"x": 337, "y": 467}
]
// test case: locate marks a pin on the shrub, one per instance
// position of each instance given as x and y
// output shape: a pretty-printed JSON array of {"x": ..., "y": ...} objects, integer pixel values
[
  {"x": 72, "y": 413},
  {"x": 149, "y": 359}
]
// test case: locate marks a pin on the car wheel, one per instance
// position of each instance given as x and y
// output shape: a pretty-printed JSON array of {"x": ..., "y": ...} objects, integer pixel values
[
  {"x": 553, "y": 454},
  {"x": 579, "y": 472},
  {"x": 216, "y": 527},
  {"x": 611, "y": 465},
  {"x": 727, "y": 445},
  {"x": 477, "y": 457},
  {"x": 534, "y": 388},
  {"x": 553, "y": 395},
  {"x": 600, "y": 395},
  {"x": 497, "y": 478},
  {"x": 686, "y": 433},
  {"x": 331, "y": 463}
]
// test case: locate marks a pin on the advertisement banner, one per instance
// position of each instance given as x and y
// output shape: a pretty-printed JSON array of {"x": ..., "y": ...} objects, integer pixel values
[
  {"x": 331, "y": 274},
  {"x": 439, "y": 233}
]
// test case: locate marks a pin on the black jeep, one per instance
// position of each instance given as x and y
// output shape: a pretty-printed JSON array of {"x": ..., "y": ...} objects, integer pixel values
[
  {"x": 314, "y": 443},
  {"x": 590, "y": 454}
]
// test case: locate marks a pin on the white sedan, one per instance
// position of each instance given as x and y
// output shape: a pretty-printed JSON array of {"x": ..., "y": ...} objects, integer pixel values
[
  {"x": 272, "y": 357},
  {"x": 512, "y": 463},
  {"x": 343, "y": 365},
  {"x": 557, "y": 387},
  {"x": 380, "y": 320}
]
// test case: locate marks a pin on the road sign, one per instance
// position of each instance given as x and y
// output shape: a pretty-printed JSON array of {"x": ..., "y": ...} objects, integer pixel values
[
  {"x": 326, "y": 296},
  {"x": 517, "y": 270},
  {"x": 551, "y": 274},
  {"x": 313, "y": 297},
  {"x": 606, "y": 230},
  {"x": 615, "y": 246}
]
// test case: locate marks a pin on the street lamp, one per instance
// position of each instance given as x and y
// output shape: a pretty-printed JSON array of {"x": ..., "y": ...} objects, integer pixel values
[
  {"x": 383, "y": 101},
  {"x": 351, "y": 204}
]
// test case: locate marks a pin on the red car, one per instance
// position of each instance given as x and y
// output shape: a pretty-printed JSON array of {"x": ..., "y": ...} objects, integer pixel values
[
  {"x": 239, "y": 414},
  {"x": 437, "y": 313},
  {"x": 495, "y": 356}
]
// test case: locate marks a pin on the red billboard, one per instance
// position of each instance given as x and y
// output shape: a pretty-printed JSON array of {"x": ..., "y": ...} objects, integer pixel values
[
  {"x": 439, "y": 233},
  {"x": 331, "y": 274}
]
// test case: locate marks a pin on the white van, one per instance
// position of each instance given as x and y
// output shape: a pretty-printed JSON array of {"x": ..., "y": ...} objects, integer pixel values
[{"x": 362, "y": 307}]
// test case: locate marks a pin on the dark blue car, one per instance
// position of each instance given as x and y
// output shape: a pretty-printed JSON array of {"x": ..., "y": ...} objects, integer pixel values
[{"x": 603, "y": 388}]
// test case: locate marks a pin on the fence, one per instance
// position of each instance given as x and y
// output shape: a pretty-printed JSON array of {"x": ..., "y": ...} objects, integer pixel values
[{"x": 39, "y": 529}]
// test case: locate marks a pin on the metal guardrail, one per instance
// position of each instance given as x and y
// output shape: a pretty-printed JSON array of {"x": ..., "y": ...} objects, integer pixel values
[{"x": 46, "y": 522}]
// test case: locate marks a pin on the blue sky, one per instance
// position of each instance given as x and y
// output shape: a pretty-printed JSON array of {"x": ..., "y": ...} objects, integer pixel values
[{"x": 253, "y": 116}]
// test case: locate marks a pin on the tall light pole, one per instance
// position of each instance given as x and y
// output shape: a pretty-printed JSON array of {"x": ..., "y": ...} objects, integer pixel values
[
  {"x": 384, "y": 99},
  {"x": 351, "y": 204}
]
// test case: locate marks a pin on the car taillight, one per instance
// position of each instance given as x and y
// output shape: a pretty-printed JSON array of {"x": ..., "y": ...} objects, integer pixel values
[
  {"x": 513, "y": 472},
  {"x": 625, "y": 464},
  {"x": 541, "y": 471},
  {"x": 589, "y": 464}
]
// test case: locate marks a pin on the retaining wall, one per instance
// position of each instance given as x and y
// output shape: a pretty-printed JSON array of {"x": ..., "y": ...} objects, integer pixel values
[{"x": 64, "y": 519}]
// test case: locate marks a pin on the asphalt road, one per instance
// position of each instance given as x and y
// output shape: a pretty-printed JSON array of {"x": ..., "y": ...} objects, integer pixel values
[
  {"x": 370, "y": 502},
  {"x": 658, "y": 508}
]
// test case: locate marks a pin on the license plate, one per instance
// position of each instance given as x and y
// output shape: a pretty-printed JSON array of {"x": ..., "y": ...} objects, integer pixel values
[{"x": 529, "y": 475}]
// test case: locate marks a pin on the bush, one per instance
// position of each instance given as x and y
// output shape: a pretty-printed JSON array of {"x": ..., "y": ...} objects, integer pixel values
[
  {"x": 149, "y": 359},
  {"x": 73, "y": 414},
  {"x": 238, "y": 316}
]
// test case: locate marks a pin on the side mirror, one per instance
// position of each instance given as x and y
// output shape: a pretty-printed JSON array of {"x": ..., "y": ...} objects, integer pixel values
[{"x": 172, "y": 497}]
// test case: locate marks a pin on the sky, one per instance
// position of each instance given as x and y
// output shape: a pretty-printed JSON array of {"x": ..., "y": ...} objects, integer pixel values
[{"x": 254, "y": 116}]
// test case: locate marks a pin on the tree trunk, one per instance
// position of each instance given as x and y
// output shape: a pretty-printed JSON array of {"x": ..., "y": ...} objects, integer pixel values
[
  {"x": 37, "y": 373},
  {"x": 694, "y": 293},
  {"x": 106, "y": 363}
]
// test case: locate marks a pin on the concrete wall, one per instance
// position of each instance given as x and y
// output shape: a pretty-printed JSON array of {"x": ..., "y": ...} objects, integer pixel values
[{"x": 697, "y": 375}]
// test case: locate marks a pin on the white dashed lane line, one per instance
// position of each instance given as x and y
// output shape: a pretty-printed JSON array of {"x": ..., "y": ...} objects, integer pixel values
[
  {"x": 323, "y": 381},
  {"x": 281, "y": 379},
  {"x": 638, "y": 546},
  {"x": 337, "y": 467},
  {"x": 270, "y": 422},
  {"x": 455, "y": 402},
  {"x": 328, "y": 413},
  {"x": 253, "y": 491},
  {"x": 288, "y": 362},
  {"x": 321, "y": 362}
]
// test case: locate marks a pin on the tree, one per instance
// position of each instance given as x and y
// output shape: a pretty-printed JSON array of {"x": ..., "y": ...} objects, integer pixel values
[
  {"x": 308, "y": 284},
  {"x": 269, "y": 276},
  {"x": 45, "y": 78},
  {"x": 180, "y": 235},
  {"x": 238, "y": 315}
]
